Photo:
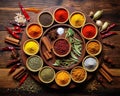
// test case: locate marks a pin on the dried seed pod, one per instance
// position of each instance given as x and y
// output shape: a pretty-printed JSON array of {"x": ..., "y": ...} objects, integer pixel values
[
  {"x": 97, "y": 15},
  {"x": 104, "y": 26}
]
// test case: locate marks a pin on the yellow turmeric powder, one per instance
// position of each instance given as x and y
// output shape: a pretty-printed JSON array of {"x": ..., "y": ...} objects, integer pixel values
[
  {"x": 78, "y": 74},
  {"x": 31, "y": 47},
  {"x": 93, "y": 47},
  {"x": 62, "y": 78},
  {"x": 77, "y": 20}
]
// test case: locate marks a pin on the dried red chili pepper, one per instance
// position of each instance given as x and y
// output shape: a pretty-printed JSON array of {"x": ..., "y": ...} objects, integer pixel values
[
  {"x": 23, "y": 79},
  {"x": 108, "y": 29},
  {"x": 10, "y": 48},
  {"x": 14, "y": 68},
  {"x": 108, "y": 34},
  {"x": 24, "y": 12},
  {"x": 13, "y": 33}
]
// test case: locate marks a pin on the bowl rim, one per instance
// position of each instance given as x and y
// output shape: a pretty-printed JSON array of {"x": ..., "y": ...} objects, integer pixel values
[
  {"x": 78, "y": 12},
  {"x": 64, "y": 8},
  {"x": 28, "y": 40},
  {"x": 34, "y": 23},
  {"x": 67, "y": 82},
  {"x": 95, "y": 28},
  {"x": 43, "y": 69},
  {"x": 84, "y": 77},
  {"x": 51, "y": 16},
  {"x": 28, "y": 61},
  {"x": 94, "y": 40},
  {"x": 87, "y": 68},
  {"x": 57, "y": 53}
]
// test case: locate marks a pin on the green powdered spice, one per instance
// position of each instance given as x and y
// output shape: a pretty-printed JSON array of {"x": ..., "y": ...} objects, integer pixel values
[
  {"x": 35, "y": 62},
  {"x": 47, "y": 74}
]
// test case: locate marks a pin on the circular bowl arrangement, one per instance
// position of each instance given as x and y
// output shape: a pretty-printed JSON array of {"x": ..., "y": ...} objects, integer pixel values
[
  {"x": 90, "y": 63},
  {"x": 89, "y": 31},
  {"x": 46, "y": 74},
  {"x": 31, "y": 47},
  {"x": 45, "y": 19},
  {"x": 34, "y": 31},
  {"x": 77, "y": 19},
  {"x": 93, "y": 47},
  {"x": 61, "y": 47},
  {"x": 78, "y": 74},
  {"x": 61, "y": 15},
  {"x": 34, "y": 63},
  {"x": 62, "y": 78}
]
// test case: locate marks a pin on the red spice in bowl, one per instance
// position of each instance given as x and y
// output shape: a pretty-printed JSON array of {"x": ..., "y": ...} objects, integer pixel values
[
  {"x": 61, "y": 47},
  {"x": 61, "y": 15},
  {"x": 89, "y": 31}
]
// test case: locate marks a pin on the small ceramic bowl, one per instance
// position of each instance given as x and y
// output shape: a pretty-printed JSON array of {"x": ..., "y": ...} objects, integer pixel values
[
  {"x": 87, "y": 31},
  {"x": 61, "y": 45},
  {"x": 34, "y": 31},
  {"x": 45, "y": 19},
  {"x": 59, "y": 15},
  {"x": 34, "y": 63},
  {"x": 62, "y": 78},
  {"x": 93, "y": 47},
  {"x": 46, "y": 74},
  {"x": 77, "y": 19},
  {"x": 90, "y": 63},
  {"x": 31, "y": 47},
  {"x": 78, "y": 74}
]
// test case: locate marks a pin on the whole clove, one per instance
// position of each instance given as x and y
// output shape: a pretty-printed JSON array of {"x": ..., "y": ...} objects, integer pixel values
[{"x": 12, "y": 62}]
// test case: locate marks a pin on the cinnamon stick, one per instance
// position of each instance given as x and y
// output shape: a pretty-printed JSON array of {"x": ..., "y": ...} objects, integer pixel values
[
  {"x": 106, "y": 75},
  {"x": 47, "y": 43},
  {"x": 47, "y": 55},
  {"x": 12, "y": 40}
]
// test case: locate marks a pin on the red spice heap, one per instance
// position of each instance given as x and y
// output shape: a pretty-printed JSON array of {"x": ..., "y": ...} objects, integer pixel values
[
  {"x": 61, "y": 47},
  {"x": 89, "y": 31},
  {"x": 61, "y": 15}
]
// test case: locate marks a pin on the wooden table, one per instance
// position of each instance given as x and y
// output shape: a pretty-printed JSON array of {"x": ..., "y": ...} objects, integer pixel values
[{"x": 111, "y": 14}]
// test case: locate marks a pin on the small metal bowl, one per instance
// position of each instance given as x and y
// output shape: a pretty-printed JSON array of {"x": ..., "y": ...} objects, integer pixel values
[
  {"x": 60, "y": 47},
  {"x": 90, "y": 63}
]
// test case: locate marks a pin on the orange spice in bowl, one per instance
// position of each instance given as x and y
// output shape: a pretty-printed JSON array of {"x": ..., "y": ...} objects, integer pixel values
[{"x": 34, "y": 31}]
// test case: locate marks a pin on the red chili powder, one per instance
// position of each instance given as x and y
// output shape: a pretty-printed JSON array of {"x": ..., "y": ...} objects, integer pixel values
[
  {"x": 61, "y": 47},
  {"x": 61, "y": 15},
  {"x": 89, "y": 31}
]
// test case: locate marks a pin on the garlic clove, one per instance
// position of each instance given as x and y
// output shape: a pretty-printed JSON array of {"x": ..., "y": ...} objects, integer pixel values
[{"x": 99, "y": 23}]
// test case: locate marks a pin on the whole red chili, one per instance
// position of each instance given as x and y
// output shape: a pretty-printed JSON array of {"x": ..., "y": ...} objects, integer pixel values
[
  {"x": 89, "y": 31},
  {"x": 61, "y": 15},
  {"x": 61, "y": 47}
]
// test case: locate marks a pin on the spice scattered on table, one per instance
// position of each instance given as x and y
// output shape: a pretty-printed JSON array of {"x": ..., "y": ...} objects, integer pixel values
[
  {"x": 34, "y": 31},
  {"x": 46, "y": 19},
  {"x": 89, "y": 31},
  {"x": 61, "y": 15},
  {"x": 77, "y": 20}
]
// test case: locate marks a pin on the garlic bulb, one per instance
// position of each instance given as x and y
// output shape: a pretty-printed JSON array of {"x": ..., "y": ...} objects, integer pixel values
[
  {"x": 99, "y": 23},
  {"x": 97, "y": 15},
  {"x": 91, "y": 14}
]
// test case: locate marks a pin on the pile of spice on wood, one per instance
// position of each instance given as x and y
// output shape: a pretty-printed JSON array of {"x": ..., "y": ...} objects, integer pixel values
[
  {"x": 89, "y": 31},
  {"x": 61, "y": 15},
  {"x": 34, "y": 31}
]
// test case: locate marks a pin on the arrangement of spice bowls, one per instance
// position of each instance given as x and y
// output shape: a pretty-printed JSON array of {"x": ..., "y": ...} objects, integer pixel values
[
  {"x": 61, "y": 47},
  {"x": 34, "y": 31},
  {"x": 90, "y": 63},
  {"x": 89, "y": 31}
]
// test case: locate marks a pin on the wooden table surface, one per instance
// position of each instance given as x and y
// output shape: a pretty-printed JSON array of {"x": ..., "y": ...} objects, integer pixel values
[{"x": 111, "y": 13}]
